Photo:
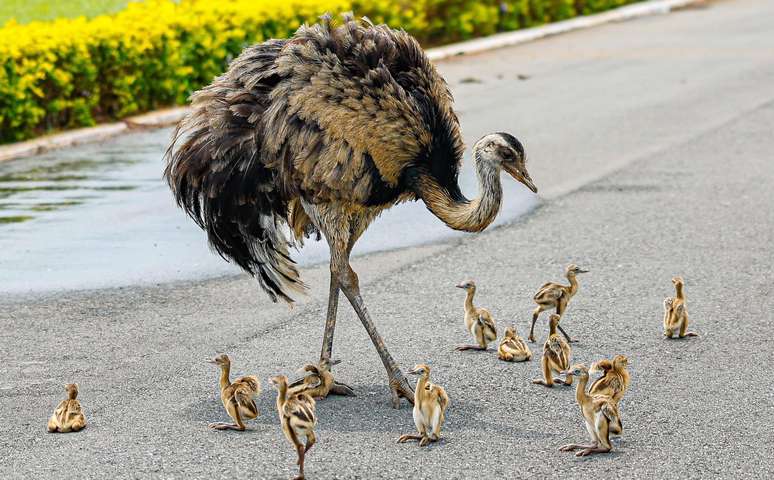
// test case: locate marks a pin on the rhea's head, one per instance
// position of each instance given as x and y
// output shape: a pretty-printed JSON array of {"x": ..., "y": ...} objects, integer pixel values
[
  {"x": 72, "y": 390},
  {"x": 578, "y": 370},
  {"x": 467, "y": 285},
  {"x": 504, "y": 151},
  {"x": 221, "y": 360},
  {"x": 573, "y": 270},
  {"x": 420, "y": 369},
  {"x": 278, "y": 381},
  {"x": 620, "y": 361}
]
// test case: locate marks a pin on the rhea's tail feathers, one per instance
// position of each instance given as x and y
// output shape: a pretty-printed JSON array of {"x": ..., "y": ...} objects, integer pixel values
[{"x": 217, "y": 177}]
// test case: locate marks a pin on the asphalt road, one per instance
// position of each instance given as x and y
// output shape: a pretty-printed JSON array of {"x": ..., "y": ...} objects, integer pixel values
[{"x": 675, "y": 178}]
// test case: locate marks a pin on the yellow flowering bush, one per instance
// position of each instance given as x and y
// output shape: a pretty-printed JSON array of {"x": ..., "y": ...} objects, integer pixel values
[{"x": 75, "y": 72}]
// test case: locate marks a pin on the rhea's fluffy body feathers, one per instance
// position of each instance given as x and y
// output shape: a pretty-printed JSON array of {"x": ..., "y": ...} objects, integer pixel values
[
  {"x": 600, "y": 414},
  {"x": 354, "y": 115},
  {"x": 297, "y": 418},
  {"x": 556, "y": 357},
  {"x": 615, "y": 378},
  {"x": 513, "y": 348},
  {"x": 238, "y": 395},
  {"x": 556, "y": 295},
  {"x": 675, "y": 312},
  {"x": 68, "y": 416},
  {"x": 478, "y": 321},
  {"x": 430, "y": 404}
]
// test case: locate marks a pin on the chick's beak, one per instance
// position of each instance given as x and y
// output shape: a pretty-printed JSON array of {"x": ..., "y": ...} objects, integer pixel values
[
  {"x": 335, "y": 362},
  {"x": 461, "y": 285},
  {"x": 212, "y": 360},
  {"x": 580, "y": 270},
  {"x": 522, "y": 177},
  {"x": 413, "y": 372}
]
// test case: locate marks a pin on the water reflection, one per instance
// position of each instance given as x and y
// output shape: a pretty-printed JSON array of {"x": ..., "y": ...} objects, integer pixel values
[{"x": 33, "y": 187}]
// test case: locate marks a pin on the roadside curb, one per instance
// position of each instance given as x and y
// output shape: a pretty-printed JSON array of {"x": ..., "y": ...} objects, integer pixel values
[
  {"x": 170, "y": 116},
  {"x": 509, "y": 39}
]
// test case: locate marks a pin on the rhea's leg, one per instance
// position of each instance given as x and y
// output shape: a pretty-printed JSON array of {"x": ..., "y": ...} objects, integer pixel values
[
  {"x": 561, "y": 306},
  {"x": 311, "y": 439},
  {"x": 399, "y": 386},
  {"x": 684, "y": 327},
  {"x": 535, "y": 315},
  {"x": 330, "y": 320},
  {"x": 407, "y": 437},
  {"x": 464, "y": 347},
  {"x": 300, "y": 452},
  {"x": 574, "y": 446},
  {"x": 547, "y": 379},
  {"x": 233, "y": 412}
]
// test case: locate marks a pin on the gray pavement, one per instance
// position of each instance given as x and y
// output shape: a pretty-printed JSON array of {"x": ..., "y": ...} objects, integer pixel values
[{"x": 653, "y": 141}]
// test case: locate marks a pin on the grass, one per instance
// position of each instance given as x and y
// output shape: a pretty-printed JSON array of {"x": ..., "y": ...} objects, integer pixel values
[{"x": 25, "y": 11}]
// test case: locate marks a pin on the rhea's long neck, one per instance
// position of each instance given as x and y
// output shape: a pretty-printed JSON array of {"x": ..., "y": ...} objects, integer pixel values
[
  {"x": 451, "y": 207},
  {"x": 573, "y": 284},
  {"x": 421, "y": 385},
  {"x": 282, "y": 396},
  {"x": 225, "y": 376},
  {"x": 469, "y": 299},
  {"x": 580, "y": 390},
  {"x": 679, "y": 291}
]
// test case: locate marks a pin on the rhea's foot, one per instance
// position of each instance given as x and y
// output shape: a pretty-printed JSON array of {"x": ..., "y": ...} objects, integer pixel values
[
  {"x": 226, "y": 426},
  {"x": 341, "y": 389},
  {"x": 407, "y": 437},
  {"x": 591, "y": 451},
  {"x": 462, "y": 348}
]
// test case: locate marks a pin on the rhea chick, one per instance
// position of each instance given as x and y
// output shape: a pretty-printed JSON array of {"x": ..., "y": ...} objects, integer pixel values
[
  {"x": 478, "y": 321},
  {"x": 600, "y": 414},
  {"x": 297, "y": 417},
  {"x": 319, "y": 381},
  {"x": 556, "y": 295},
  {"x": 615, "y": 379},
  {"x": 237, "y": 396},
  {"x": 675, "y": 313},
  {"x": 556, "y": 357},
  {"x": 68, "y": 416},
  {"x": 430, "y": 403},
  {"x": 513, "y": 348}
]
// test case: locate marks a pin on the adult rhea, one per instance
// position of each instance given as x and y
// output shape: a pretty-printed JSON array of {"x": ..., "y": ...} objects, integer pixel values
[{"x": 322, "y": 132}]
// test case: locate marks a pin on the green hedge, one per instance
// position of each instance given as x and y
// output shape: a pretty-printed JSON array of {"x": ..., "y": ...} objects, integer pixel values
[{"x": 76, "y": 72}]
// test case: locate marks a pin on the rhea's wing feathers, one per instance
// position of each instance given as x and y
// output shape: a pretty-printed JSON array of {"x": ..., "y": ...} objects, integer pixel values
[
  {"x": 549, "y": 292},
  {"x": 249, "y": 383},
  {"x": 352, "y": 115},
  {"x": 300, "y": 410},
  {"x": 443, "y": 398},
  {"x": 215, "y": 171}
]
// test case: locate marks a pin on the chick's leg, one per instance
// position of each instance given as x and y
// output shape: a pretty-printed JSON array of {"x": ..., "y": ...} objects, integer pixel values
[
  {"x": 407, "y": 437},
  {"x": 535, "y": 315},
  {"x": 547, "y": 379},
  {"x": 684, "y": 327},
  {"x": 561, "y": 306},
  {"x": 233, "y": 411}
]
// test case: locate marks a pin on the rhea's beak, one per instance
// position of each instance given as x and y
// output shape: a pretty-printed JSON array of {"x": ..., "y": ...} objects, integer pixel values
[{"x": 520, "y": 176}]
